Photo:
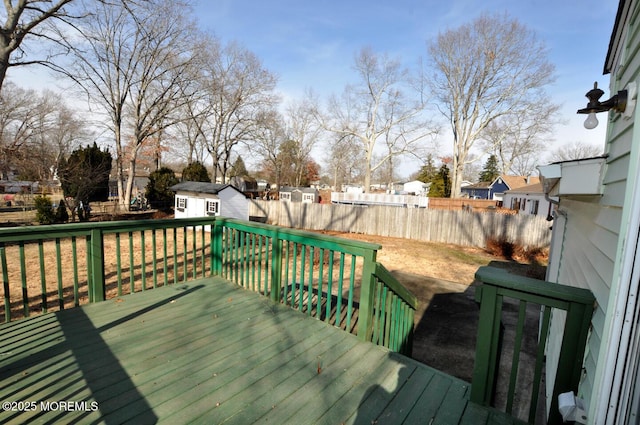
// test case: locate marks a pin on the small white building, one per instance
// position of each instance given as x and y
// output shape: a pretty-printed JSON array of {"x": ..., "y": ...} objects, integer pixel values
[
  {"x": 200, "y": 199},
  {"x": 416, "y": 187},
  {"x": 308, "y": 195}
]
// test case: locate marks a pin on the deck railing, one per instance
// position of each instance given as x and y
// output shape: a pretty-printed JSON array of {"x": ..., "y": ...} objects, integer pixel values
[
  {"x": 499, "y": 285},
  {"x": 337, "y": 280},
  {"x": 334, "y": 279}
]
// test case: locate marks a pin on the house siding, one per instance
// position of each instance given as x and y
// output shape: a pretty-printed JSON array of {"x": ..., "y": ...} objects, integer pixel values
[{"x": 591, "y": 249}]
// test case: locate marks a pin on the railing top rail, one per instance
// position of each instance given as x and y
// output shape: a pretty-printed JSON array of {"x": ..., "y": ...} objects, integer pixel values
[
  {"x": 26, "y": 233},
  {"x": 302, "y": 236},
  {"x": 502, "y": 278},
  {"x": 383, "y": 274}
]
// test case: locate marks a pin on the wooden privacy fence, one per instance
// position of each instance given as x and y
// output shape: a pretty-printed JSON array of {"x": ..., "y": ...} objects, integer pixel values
[{"x": 455, "y": 227}]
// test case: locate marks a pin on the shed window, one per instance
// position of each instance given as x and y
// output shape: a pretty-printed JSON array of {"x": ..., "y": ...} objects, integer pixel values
[
  {"x": 213, "y": 207},
  {"x": 181, "y": 203},
  {"x": 308, "y": 197},
  {"x": 285, "y": 196}
]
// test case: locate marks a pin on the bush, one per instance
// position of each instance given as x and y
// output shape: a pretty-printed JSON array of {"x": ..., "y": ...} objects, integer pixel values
[
  {"x": 44, "y": 210},
  {"x": 62, "y": 215}
]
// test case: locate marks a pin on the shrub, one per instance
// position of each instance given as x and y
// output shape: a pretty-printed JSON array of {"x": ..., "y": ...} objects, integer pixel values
[
  {"x": 44, "y": 210},
  {"x": 62, "y": 215}
]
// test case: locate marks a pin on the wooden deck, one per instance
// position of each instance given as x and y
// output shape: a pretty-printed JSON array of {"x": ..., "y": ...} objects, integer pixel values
[{"x": 211, "y": 352}]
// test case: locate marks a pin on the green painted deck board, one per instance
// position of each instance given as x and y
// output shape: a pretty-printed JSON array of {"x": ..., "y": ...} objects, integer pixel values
[{"x": 210, "y": 352}]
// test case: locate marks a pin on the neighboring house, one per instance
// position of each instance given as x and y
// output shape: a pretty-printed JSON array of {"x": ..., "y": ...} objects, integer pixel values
[
  {"x": 480, "y": 190},
  {"x": 18, "y": 186},
  {"x": 199, "y": 199},
  {"x": 596, "y": 239},
  {"x": 529, "y": 200},
  {"x": 416, "y": 187},
  {"x": 495, "y": 190},
  {"x": 299, "y": 194}
]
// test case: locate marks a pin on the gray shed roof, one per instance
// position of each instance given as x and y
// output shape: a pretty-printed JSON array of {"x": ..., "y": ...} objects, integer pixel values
[{"x": 202, "y": 187}]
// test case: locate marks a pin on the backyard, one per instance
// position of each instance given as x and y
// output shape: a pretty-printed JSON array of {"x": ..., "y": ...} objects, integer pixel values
[{"x": 440, "y": 275}]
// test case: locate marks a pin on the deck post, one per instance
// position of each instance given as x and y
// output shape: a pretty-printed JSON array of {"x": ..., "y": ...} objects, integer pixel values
[
  {"x": 218, "y": 227},
  {"x": 367, "y": 296},
  {"x": 487, "y": 346},
  {"x": 96, "y": 279}
]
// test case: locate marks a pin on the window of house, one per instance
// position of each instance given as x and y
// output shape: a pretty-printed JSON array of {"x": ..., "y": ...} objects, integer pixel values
[
  {"x": 181, "y": 203},
  {"x": 534, "y": 207},
  {"x": 523, "y": 204},
  {"x": 212, "y": 207}
]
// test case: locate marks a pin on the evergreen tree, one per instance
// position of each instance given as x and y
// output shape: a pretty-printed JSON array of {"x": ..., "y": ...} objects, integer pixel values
[
  {"x": 44, "y": 210},
  {"x": 85, "y": 175},
  {"x": 238, "y": 169},
  {"x": 441, "y": 183},
  {"x": 490, "y": 172},
  {"x": 428, "y": 171},
  {"x": 195, "y": 172},
  {"x": 158, "y": 190},
  {"x": 62, "y": 215}
]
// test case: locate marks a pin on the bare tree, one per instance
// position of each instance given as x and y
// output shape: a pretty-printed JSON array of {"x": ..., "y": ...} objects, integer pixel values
[
  {"x": 268, "y": 138},
  {"x": 573, "y": 151},
  {"x": 23, "y": 23},
  {"x": 132, "y": 63},
  {"x": 346, "y": 162},
  {"x": 239, "y": 90},
  {"x": 35, "y": 131},
  {"x": 491, "y": 68},
  {"x": 377, "y": 114},
  {"x": 518, "y": 138}
]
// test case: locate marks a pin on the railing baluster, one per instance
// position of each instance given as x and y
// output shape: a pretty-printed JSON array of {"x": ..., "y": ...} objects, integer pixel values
[
  {"x": 175, "y": 255},
  {"x": 43, "y": 278},
  {"x": 23, "y": 278},
  {"x": 165, "y": 258},
  {"x": 517, "y": 344},
  {"x": 76, "y": 284},
  {"x": 59, "y": 274},
  {"x": 5, "y": 283},
  {"x": 143, "y": 260},
  {"x": 320, "y": 279},
  {"x": 132, "y": 287},
  {"x": 154, "y": 258},
  {"x": 118, "y": 264},
  {"x": 185, "y": 271},
  {"x": 329, "y": 286},
  {"x": 352, "y": 276}
]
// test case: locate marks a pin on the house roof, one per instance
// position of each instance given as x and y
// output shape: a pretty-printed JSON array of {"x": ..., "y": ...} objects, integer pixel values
[
  {"x": 202, "y": 187},
  {"x": 479, "y": 185},
  {"x": 515, "y": 182},
  {"x": 535, "y": 188}
]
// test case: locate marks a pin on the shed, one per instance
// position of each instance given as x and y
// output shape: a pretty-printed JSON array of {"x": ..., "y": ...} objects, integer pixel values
[
  {"x": 299, "y": 194},
  {"x": 199, "y": 199}
]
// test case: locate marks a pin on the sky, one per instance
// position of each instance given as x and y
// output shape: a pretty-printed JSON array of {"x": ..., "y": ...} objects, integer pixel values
[{"x": 311, "y": 44}]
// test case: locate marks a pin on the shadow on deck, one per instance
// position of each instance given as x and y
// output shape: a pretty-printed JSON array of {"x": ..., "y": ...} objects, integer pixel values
[{"x": 211, "y": 352}]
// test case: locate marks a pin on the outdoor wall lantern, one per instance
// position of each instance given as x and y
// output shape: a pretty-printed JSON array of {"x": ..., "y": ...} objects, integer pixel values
[{"x": 617, "y": 102}]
